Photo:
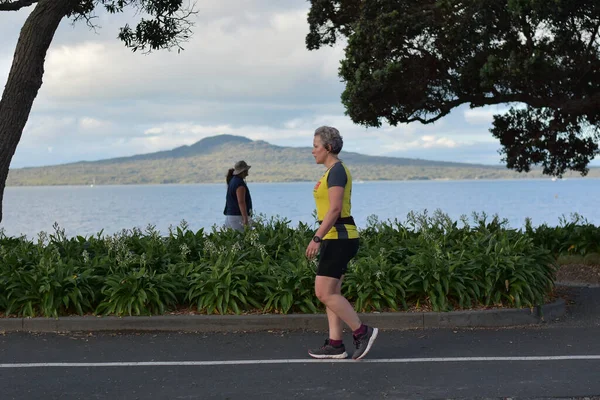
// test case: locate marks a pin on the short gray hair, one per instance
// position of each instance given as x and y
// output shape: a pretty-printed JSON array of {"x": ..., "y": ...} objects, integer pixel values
[{"x": 331, "y": 138}]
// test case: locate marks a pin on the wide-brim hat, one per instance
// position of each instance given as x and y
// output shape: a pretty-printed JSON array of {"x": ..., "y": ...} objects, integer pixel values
[{"x": 240, "y": 167}]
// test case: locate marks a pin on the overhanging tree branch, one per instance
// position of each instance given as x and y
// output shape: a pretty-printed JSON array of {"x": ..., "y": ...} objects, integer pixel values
[
  {"x": 593, "y": 38},
  {"x": 567, "y": 106},
  {"x": 16, "y": 5}
]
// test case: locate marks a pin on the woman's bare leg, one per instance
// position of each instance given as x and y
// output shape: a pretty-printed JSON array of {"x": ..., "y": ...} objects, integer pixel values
[{"x": 328, "y": 291}]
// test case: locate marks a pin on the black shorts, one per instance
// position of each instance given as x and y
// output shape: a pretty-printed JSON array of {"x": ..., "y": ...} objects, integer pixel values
[{"x": 335, "y": 254}]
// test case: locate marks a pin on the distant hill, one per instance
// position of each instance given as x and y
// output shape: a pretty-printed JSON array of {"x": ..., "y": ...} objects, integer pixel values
[{"x": 209, "y": 159}]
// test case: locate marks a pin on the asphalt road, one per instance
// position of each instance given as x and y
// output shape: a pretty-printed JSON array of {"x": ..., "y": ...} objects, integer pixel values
[{"x": 557, "y": 360}]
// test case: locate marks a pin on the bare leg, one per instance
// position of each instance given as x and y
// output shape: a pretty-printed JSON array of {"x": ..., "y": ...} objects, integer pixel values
[
  {"x": 328, "y": 291},
  {"x": 336, "y": 327}
]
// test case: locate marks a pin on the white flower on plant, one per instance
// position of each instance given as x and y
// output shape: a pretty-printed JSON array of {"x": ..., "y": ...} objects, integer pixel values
[
  {"x": 236, "y": 247},
  {"x": 253, "y": 236},
  {"x": 86, "y": 256},
  {"x": 42, "y": 238},
  {"x": 209, "y": 247},
  {"x": 185, "y": 250}
]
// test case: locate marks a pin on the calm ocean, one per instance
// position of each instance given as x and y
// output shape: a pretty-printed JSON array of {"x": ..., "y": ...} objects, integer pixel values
[{"x": 84, "y": 210}]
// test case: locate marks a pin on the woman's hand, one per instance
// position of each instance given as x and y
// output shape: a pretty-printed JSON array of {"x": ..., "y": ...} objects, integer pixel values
[{"x": 312, "y": 250}]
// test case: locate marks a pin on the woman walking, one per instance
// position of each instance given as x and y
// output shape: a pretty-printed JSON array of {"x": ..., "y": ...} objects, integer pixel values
[
  {"x": 336, "y": 242},
  {"x": 238, "y": 202}
]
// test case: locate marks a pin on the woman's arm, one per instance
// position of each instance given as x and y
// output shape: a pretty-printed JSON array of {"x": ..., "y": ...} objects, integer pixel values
[{"x": 240, "y": 192}]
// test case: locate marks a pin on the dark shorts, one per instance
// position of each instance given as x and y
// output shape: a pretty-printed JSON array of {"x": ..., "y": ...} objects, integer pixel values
[{"x": 335, "y": 254}]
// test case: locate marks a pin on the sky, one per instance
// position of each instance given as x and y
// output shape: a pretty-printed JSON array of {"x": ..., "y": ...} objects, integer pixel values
[{"x": 246, "y": 71}]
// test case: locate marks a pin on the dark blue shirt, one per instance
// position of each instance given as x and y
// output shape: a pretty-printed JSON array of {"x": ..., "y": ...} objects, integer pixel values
[{"x": 232, "y": 206}]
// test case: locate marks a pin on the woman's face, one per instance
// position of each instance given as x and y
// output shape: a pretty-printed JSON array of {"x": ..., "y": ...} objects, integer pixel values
[{"x": 319, "y": 151}]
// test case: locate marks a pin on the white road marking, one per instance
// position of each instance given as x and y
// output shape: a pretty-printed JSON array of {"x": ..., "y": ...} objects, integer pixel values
[{"x": 293, "y": 361}]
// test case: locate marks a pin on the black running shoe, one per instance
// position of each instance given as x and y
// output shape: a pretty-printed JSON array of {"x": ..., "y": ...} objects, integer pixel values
[
  {"x": 329, "y": 351},
  {"x": 364, "y": 342}
]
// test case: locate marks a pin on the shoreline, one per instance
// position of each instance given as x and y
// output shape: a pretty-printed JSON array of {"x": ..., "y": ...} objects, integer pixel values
[{"x": 355, "y": 182}]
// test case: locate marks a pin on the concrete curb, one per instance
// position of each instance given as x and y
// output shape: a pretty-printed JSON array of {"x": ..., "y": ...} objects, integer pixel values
[
  {"x": 317, "y": 322},
  {"x": 577, "y": 284}
]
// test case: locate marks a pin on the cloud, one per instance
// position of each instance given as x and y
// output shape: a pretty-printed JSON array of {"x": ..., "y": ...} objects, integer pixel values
[
  {"x": 248, "y": 11},
  {"x": 485, "y": 115},
  {"x": 478, "y": 116},
  {"x": 409, "y": 142},
  {"x": 46, "y": 129},
  {"x": 153, "y": 131},
  {"x": 5, "y": 63},
  {"x": 433, "y": 142},
  {"x": 87, "y": 123},
  {"x": 473, "y": 153},
  {"x": 263, "y": 59}
]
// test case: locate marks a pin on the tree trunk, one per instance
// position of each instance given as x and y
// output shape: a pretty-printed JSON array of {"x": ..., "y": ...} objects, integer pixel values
[{"x": 25, "y": 77}]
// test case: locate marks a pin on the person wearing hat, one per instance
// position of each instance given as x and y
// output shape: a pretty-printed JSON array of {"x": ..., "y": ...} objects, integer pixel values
[{"x": 238, "y": 202}]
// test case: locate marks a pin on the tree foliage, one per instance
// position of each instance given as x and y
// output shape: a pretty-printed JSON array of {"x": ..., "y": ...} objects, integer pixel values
[
  {"x": 416, "y": 60},
  {"x": 163, "y": 23}
]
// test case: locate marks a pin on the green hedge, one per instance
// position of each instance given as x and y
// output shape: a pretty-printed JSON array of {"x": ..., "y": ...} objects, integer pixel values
[
  {"x": 427, "y": 261},
  {"x": 576, "y": 236}
]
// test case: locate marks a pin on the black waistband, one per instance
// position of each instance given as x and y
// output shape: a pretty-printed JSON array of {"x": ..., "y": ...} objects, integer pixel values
[{"x": 344, "y": 221}]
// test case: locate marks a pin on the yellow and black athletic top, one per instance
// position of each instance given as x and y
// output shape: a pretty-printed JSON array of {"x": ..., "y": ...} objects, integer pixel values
[{"x": 337, "y": 175}]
